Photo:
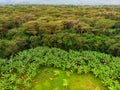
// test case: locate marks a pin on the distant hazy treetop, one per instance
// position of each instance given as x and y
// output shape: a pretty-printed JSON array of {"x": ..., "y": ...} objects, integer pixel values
[{"x": 75, "y": 2}]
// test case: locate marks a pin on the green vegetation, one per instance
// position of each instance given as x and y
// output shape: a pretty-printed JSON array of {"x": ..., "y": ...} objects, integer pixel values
[
  {"x": 18, "y": 71},
  {"x": 66, "y": 27},
  {"x": 84, "y": 40}
]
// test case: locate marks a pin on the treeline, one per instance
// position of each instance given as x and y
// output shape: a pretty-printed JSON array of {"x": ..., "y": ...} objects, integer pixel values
[{"x": 77, "y": 28}]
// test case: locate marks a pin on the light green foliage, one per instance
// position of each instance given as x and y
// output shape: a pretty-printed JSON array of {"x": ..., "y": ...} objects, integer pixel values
[
  {"x": 65, "y": 83},
  {"x": 24, "y": 66},
  {"x": 104, "y": 24},
  {"x": 56, "y": 72}
]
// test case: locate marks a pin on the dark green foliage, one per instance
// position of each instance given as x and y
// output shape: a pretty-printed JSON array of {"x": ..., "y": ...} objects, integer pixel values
[
  {"x": 117, "y": 25},
  {"x": 66, "y": 27},
  {"x": 63, "y": 40},
  {"x": 115, "y": 49},
  {"x": 11, "y": 47},
  {"x": 34, "y": 41}
]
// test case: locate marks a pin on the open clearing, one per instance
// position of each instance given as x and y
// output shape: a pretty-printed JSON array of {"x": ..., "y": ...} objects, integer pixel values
[{"x": 55, "y": 79}]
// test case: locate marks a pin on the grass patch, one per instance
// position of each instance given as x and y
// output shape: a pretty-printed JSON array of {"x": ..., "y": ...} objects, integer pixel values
[{"x": 55, "y": 79}]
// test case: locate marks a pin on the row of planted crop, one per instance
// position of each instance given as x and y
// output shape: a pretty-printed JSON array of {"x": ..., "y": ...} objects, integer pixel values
[{"x": 18, "y": 71}]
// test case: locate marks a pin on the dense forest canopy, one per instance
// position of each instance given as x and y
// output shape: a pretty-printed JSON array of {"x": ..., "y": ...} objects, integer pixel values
[{"x": 67, "y": 27}]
